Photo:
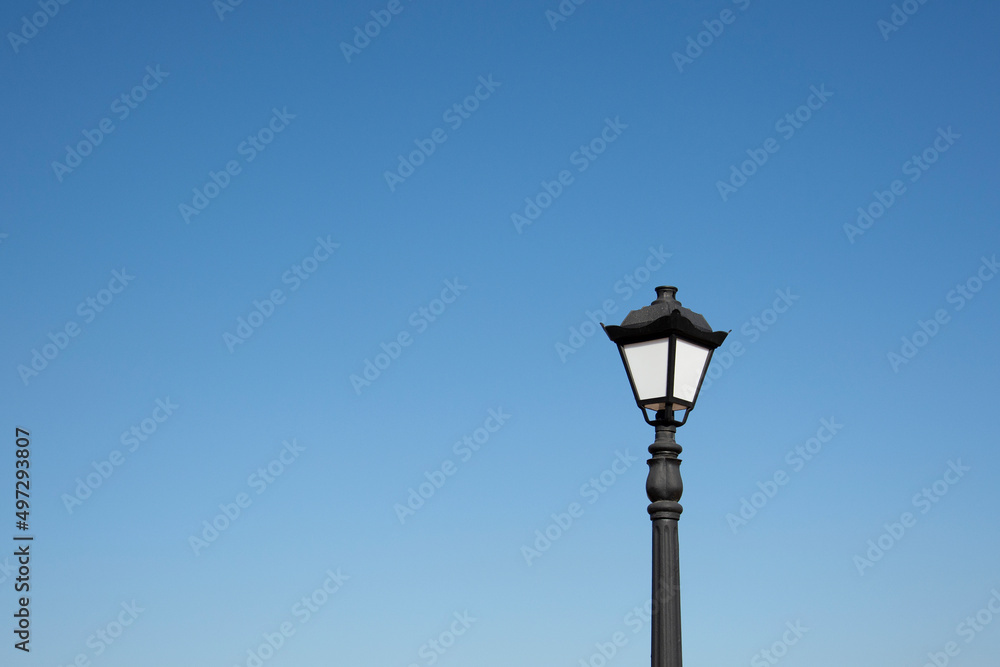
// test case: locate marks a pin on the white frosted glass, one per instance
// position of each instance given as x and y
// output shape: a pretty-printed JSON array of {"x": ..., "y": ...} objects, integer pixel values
[
  {"x": 689, "y": 364},
  {"x": 647, "y": 363}
]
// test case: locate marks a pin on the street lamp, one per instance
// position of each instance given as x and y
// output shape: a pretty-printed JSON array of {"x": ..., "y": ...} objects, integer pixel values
[{"x": 666, "y": 349}]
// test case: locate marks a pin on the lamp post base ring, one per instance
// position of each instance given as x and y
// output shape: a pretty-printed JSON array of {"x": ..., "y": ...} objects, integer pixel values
[{"x": 665, "y": 509}]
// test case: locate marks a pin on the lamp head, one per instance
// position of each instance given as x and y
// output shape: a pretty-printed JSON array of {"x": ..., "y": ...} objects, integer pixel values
[{"x": 666, "y": 349}]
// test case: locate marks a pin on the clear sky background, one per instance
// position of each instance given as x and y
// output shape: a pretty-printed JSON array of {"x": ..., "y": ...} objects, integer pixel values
[{"x": 899, "y": 122}]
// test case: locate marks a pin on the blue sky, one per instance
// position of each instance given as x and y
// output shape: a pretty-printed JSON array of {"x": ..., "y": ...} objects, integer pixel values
[{"x": 218, "y": 218}]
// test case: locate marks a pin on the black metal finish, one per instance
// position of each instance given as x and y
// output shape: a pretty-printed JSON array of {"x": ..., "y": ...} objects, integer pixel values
[
  {"x": 666, "y": 628},
  {"x": 663, "y": 485},
  {"x": 659, "y": 420},
  {"x": 664, "y": 488}
]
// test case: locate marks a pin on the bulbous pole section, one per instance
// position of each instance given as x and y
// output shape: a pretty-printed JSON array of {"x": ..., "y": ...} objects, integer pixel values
[{"x": 664, "y": 488}]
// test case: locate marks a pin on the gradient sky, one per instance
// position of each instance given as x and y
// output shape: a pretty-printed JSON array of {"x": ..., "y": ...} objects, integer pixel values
[{"x": 171, "y": 169}]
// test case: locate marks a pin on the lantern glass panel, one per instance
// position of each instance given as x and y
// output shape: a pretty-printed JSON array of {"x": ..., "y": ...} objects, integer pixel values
[
  {"x": 689, "y": 364},
  {"x": 647, "y": 366}
]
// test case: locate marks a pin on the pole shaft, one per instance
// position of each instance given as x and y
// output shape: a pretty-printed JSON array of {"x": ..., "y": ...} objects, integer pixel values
[
  {"x": 664, "y": 488},
  {"x": 666, "y": 627}
]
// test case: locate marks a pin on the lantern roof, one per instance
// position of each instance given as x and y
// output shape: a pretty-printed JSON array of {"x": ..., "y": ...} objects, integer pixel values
[{"x": 662, "y": 317}]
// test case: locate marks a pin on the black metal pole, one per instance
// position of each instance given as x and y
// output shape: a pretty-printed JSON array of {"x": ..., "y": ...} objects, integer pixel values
[{"x": 664, "y": 488}]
